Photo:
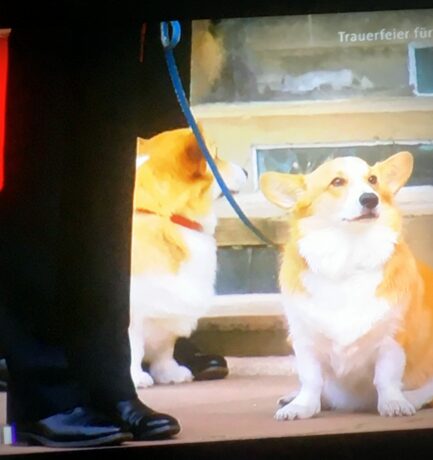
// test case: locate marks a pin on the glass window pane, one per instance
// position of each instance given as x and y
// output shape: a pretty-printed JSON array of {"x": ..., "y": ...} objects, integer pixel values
[
  {"x": 247, "y": 270},
  {"x": 305, "y": 159}
]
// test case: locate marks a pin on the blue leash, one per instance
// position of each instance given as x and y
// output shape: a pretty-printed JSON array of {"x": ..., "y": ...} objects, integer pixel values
[{"x": 169, "y": 44}]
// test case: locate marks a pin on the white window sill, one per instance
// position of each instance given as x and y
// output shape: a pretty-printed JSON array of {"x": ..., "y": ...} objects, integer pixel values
[{"x": 316, "y": 107}]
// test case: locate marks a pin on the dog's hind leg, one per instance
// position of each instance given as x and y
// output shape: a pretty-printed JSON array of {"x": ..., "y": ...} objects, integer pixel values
[
  {"x": 163, "y": 367},
  {"x": 140, "y": 378},
  {"x": 421, "y": 396}
]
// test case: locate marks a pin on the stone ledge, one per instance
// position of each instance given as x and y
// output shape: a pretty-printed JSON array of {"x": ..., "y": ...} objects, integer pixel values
[
  {"x": 266, "y": 365},
  {"x": 237, "y": 342},
  {"x": 244, "y": 325}
]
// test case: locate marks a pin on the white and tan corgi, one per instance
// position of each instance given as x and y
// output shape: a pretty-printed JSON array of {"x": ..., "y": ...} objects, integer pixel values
[
  {"x": 173, "y": 249},
  {"x": 359, "y": 305}
]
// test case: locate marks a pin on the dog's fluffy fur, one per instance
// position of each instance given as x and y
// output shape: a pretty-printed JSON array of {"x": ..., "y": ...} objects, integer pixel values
[
  {"x": 359, "y": 305},
  {"x": 173, "y": 266}
]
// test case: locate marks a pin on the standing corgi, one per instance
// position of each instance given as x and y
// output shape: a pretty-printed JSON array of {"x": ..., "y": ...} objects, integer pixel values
[
  {"x": 173, "y": 250},
  {"x": 359, "y": 306}
]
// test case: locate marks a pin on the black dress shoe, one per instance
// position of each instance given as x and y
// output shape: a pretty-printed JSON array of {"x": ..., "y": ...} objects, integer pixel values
[
  {"x": 143, "y": 422},
  {"x": 79, "y": 427},
  {"x": 203, "y": 366}
]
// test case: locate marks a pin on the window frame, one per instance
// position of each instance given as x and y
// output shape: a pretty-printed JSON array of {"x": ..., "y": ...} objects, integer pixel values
[
  {"x": 256, "y": 147},
  {"x": 413, "y": 80}
]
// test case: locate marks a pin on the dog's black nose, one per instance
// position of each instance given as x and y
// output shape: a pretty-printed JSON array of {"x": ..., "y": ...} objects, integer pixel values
[
  {"x": 245, "y": 172},
  {"x": 369, "y": 200}
]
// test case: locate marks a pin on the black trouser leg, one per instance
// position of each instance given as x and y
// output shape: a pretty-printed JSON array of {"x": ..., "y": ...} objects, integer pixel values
[
  {"x": 95, "y": 271},
  {"x": 69, "y": 183},
  {"x": 97, "y": 210},
  {"x": 38, "y": 133},
  {"x": 40, "y": 382}
]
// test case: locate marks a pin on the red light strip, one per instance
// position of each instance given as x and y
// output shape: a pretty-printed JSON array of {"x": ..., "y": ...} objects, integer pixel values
[{"x": 4, "y": 34}]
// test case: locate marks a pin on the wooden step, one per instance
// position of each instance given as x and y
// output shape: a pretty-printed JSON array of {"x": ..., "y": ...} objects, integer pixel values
[{"x": 244, "y": 325}]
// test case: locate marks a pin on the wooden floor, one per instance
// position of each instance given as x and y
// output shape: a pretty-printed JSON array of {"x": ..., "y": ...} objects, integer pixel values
[{"x": 240, "y": 408}]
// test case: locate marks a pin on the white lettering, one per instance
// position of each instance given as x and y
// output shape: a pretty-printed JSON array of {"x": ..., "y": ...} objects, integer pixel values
[
  {"x": 385, "y": 35},
  {"x": 341, "y": 35}
]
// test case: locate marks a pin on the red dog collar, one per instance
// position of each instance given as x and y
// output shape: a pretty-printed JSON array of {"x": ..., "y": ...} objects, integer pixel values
[{"x": 178, "y": 219}]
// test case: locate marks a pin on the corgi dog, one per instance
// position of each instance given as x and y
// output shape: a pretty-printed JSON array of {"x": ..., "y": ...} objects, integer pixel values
[
  {"x": 359, "y": 306},
  {"x": 173, "y": 254}
]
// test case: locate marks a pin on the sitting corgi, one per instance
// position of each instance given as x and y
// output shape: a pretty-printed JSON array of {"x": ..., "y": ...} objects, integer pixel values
[
  {"x": 173, "y": 250},
  {"x": 359, "y": 306}
]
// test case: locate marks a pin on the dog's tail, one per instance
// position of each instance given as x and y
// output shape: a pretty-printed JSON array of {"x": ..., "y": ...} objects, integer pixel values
[{"x": 421, "y": 396}]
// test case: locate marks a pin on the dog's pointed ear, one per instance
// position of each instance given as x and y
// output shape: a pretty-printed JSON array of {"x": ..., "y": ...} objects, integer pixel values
[
  {"x": 194, "y": 160},
  {"x": 140, "y": 160},
  {"x": 141, "y": 153},
  {"x": 282, "y": 189},
  {"x": 142, "y": 145},
  {"x": 395, "y": 170}
]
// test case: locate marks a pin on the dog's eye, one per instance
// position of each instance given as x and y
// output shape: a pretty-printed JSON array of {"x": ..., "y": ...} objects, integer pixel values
[
  {"x": 372, "y": 179},
  {"x": 338, "y": 182}
]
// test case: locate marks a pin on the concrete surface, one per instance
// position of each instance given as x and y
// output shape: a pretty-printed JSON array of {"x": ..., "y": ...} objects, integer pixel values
[{"x": 242, "y": 406}]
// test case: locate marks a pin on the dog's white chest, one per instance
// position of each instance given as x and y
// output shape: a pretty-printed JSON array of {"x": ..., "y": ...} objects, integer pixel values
[
  {"x": 187, "y": 292},
  {"x": 345, "y": 270},
  {"x": 199, "y": 271},
  {"x": 344, "y": 323},
  {"x": 338, "y": 311}
]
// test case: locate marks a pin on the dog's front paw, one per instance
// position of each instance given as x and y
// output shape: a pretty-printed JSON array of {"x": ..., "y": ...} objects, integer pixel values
[
  {"x": 141, "y": 379},
  {"x": 170, "y": 372},
  {"x": 294, "y": 410},
  {"x": 395, "y": 407}
]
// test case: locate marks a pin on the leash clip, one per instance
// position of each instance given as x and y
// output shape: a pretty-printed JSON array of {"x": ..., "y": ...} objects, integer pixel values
[{"x": 167, "y": 41}]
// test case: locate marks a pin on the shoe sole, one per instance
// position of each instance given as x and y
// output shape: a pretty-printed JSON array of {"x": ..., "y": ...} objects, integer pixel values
[
  {"x": 159, "y": 433},
  {"x": 113, "y": 439},
  {"x": 212, "y": 373}
]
